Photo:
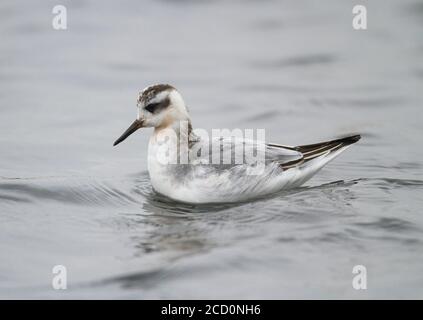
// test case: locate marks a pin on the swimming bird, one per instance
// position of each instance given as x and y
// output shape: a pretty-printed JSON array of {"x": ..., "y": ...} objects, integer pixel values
[{"x": 187, "y": 167}]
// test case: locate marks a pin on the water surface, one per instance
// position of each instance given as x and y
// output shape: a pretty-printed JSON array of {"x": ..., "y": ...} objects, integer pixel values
[{"x": 297, "y": 69}]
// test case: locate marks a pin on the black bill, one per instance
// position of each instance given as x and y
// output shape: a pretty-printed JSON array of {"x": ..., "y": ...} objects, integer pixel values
[{"x": 132, "y": 128}]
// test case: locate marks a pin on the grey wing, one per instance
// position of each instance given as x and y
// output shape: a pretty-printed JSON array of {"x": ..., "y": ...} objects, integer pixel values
[
  {"x": 237, "y": 151},
  {"x": 286, "y": 156}
]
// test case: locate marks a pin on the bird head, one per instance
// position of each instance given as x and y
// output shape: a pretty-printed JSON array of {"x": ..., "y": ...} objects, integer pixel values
[{"x": 159, "y": 106}]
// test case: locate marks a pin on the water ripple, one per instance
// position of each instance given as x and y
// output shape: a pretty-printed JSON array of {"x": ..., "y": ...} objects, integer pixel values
[
  {"x": 296, "y": 61},
  {"x": 77, "y": 191}
]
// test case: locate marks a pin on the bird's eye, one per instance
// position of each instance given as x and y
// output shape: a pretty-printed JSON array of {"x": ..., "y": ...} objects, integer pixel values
[{"x": 151, "y": 107}]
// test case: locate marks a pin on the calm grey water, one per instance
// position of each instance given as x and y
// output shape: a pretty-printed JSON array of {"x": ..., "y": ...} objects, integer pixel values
[{"x": 295, "y": 68}]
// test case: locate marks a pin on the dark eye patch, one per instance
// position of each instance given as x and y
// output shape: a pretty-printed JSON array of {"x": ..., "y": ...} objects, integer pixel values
[
  {"x": 158, "y": 106},
  {"x": 151, "y": 107}
]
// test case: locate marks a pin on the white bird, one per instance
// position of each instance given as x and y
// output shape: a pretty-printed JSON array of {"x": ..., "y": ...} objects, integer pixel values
[{"x": 195, "y": 178}]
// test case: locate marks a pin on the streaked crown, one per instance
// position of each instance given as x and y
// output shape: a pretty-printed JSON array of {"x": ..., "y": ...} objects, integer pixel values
[{"x": 151, "y": 92}]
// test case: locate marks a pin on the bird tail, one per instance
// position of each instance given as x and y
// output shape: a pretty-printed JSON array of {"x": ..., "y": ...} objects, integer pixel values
[
  {"x": 317, "y": 155},
  {"x": 312, "y": 151}
]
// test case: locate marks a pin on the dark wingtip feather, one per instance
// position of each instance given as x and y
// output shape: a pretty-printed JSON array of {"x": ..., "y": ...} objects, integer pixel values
[{"x": 350, "y": 139}]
